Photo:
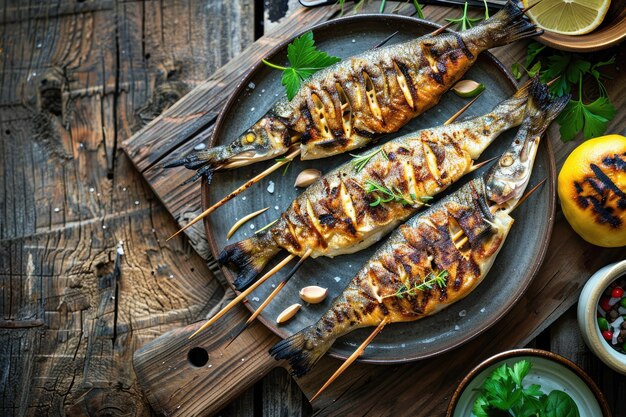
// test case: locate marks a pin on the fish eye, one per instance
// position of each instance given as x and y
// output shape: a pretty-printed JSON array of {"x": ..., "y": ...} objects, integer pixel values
[
  {"x": 249, "y": 138},
  {"x": 506, "y": 161}
]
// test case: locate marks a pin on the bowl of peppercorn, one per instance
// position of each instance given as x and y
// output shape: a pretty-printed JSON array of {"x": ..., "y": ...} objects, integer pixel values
[{"x": 602, "y": 315}]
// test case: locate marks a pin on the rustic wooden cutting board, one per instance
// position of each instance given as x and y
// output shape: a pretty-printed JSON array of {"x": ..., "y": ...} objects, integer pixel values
[{"x": 165, "y": 368}]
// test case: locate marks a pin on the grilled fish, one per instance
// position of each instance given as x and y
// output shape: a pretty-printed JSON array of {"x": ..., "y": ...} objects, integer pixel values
[
  {"x": 339, "y": 213},
  {"x": 439, "y": 256},
  {"x": 347, "y": 105}
]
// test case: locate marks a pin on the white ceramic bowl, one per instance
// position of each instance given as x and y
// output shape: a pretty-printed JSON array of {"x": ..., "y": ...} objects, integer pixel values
[
  {"x": 551, "y": 371},
  {"x": 587, "y": 317}
]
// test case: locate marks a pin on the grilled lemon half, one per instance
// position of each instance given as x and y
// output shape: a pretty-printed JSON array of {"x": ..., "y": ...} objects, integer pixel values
[
  {"x": 568, "y": 17},
  {"x": 592, "y": 190}
]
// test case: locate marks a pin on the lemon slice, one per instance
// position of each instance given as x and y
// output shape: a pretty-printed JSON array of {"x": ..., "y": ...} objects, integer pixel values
[{"x": 568, "y": 17}]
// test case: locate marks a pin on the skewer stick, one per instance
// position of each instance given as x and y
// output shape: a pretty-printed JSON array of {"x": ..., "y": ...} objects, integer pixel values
[
  {"x": 530, "y": 7},
  {"x": 244, "y": 294},
  {"x": 270, "y": 297},
  {"x": 525, "y": 196},
  {"x": 238, "y": 191},
  {"x": 441, "y": 29},
  {"x": 481, "y": 164},
  {"x": 462, "y": 110},
  {"x": 352, "y": 357}
]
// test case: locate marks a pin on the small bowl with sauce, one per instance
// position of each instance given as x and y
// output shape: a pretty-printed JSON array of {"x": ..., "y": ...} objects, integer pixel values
[{"x": 602, "y": 315}]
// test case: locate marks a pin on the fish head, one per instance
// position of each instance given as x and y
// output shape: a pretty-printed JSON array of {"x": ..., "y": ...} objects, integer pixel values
[
  {"x": 507, "y": 179},
  {"x": 266, "y": 139}
]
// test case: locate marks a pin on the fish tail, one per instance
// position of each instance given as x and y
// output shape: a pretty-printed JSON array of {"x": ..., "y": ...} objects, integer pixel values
[
  {"x": 504, "y": 27},
  {"x": 543, "y": 108},
  {"x": 302, "y": 349},
  {"x": 513, "y": 108},
  {"x": 248, "y": 257}
]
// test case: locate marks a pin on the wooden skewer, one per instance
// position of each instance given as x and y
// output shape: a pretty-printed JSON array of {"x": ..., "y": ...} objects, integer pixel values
[
  {"x": 441, "y": 29},
  {"x": 270, "y": 297},
  {"x": 244, "y": 294},
  {"x": 352, "y": 357},
  {"x": 525, "y": 196},
  {"x": 530, "y": 7},
  {"x": 481, "y": 164},
  {"x": 462, "y": 110},
  {"x": 238, "y": 191}
]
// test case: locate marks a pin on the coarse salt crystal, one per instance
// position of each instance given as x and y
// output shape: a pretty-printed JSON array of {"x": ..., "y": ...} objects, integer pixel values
[
  {"x": 337, "y": 279},
  {"x": 621, "y": 310},
  {"x": 255, "y": 298},
  {"x": 462, "y": 313},
  {"x": 244, "y": 198},
  {"x": 56, "y": 209},
  {"x": 275, "y": 207},
  {"x": 270, "y": 187},
  {"x": 252, "y": 226},
  {"x": 136, "y": 202},
  {"x": 614, "y": 300},
  {"x": 456, "y": 327},
  {"x": 199, "y": 147},
  {"x": 120, "y": 247},
  {"x": 614, "y": 338},
  {"x": 252, "y": 109},
  {"x": 601, "y": 311},
  {"x": 251, "y": 85},
  {"x": 482, "y": 310}
]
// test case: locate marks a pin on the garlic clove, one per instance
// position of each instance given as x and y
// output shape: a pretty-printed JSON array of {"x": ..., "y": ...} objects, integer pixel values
[
  {"x": 288, "y": 313},
  {"x": 313, "y": 294},
  {"x": 307, "y": 177},
  {"x": 468, "y": 88}
]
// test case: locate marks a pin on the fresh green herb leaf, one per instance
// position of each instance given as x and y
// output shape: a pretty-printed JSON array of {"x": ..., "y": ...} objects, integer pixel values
[
  {"x": 427, "y": 283},
  {"x": 503, "y": 394},
  {"x": 516, "y": 70},
  {"x": 592, "y": 118},
  {"x": 418, "y": 9},
  {"x": 464, "y": 22},
  {"x": 559, "y": 404},
  {"x": 534, "y": 49},
  {"x": 386, "y": 195},
  {"x": 305, "y": 60},
  {"x": 287, "y": 165},
  {"x": 360, "y": 161},
  {"x": 534, "y": 69}
]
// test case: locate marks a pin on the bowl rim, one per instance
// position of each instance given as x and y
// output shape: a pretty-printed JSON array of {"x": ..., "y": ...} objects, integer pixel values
[
  {"x": 606, "y": 412},
  {"x": 593, "y": 41},
  {"x": 589, "y": 324}
]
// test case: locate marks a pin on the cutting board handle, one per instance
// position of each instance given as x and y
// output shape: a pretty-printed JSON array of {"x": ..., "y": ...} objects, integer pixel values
[{"x": 199, "y": 376}]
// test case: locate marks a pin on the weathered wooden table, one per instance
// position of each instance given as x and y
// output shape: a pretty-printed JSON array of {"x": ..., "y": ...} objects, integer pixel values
[{"x": 80, "y": 77}]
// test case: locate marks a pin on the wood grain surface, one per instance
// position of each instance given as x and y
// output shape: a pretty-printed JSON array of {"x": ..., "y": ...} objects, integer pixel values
[{"x": 80, "y": 77}]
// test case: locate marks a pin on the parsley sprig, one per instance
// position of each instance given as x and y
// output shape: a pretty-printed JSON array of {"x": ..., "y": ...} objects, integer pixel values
[
  {"x": 359, "y": 161},
  {"x": 386, "y": 195},
  {"x": 503, "y": 394},
  {"x": 305, "y": 60},
  {"x": 427, "y": 283},
  {"x": 570, "y": 71}
]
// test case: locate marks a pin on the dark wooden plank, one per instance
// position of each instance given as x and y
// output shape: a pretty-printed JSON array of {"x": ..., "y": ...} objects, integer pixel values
[{"x": 77, "y": 78}]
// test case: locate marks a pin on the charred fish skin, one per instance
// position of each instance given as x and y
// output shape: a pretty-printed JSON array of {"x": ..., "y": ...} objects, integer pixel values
[
  {"x": 456, "y": 239},
  {"x": 335, "y": 216},
  {"x": 423, "y": 247},
  {"x": 353, "y": 102}
]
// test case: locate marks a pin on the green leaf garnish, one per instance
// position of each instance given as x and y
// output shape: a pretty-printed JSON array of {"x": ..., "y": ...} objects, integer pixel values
[
  {"x": 386, "y": 195},
  {"x": 465, "y": 22},
  {"x": 427, "y": 283},
  {"x": 359, "y": 161},
  {"x": 305, "y": 60},
  {"x": 503, "y": 394}
]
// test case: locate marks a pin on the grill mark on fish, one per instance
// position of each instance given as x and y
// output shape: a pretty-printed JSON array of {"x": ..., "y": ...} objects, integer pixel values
[{"x": 462, "y": 46}]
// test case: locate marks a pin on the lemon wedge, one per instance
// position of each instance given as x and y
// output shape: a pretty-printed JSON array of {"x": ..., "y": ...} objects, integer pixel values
[{"x": 568, "y": 17}]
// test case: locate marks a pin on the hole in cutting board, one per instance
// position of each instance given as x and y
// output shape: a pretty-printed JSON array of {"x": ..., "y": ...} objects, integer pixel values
[{"x": 198, "y": 357}]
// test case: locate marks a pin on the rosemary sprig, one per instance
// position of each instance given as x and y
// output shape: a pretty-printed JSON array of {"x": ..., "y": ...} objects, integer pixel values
[
  {"x": 428, "y": 282},
  {"x": 283, "y": 159},
  {"x": 360, "y": 161},
  {"x": 392, "y": 194}
]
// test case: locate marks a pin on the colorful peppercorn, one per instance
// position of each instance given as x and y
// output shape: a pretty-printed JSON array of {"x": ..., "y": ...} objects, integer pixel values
[
  {"x": 603, "y": 323},
  {"x": 617, "y": 292},
  {"x": 607, "y": 334}
]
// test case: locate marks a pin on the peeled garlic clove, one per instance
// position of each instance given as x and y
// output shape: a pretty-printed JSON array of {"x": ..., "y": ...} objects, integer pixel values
[
  {"x": 313, "y": 294},
  {"x": 468, "y": 88},
  {"x": 288, "y": 313},
  {"x": 307, "y": 177}
]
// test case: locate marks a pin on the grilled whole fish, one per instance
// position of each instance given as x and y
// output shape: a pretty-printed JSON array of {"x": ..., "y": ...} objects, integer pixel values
[
  {"x": 439, "y": 256},
  {"x": 348, "y": 104},
  {"x": 336, "y": 215}
]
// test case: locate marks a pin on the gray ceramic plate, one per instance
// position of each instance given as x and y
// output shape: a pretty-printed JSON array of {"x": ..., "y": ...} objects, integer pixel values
[{"x": 512, "y": 272}]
